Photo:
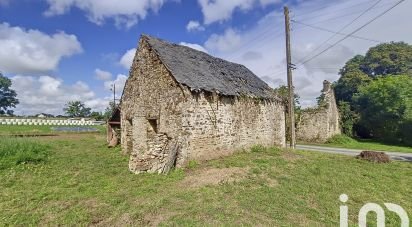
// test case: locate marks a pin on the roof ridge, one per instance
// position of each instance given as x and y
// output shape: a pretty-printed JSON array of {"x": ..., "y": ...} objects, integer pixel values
[{"x": 201, "y": 71}]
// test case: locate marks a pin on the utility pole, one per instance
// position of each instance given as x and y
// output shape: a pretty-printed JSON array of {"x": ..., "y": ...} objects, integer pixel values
[
  {"x": 290, "y": 82},
  {"x": 114, "y": 95}
]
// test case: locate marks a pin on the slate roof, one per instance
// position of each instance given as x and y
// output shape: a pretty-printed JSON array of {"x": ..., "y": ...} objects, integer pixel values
[{"x": 200, "y": 71}]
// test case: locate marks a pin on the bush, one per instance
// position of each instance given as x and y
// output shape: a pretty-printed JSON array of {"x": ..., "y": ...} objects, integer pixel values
[
  {"x": 340, "y": 139},
  {"x": 15, "y": 151}
]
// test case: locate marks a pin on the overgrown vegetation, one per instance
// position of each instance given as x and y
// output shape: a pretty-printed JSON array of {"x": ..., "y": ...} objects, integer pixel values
[
  {"x": 85, "y": 183},
  {"x": 374, "y": 95},
  {"x": 16, "y": 151},
  {"x": 385, "y": 108}
]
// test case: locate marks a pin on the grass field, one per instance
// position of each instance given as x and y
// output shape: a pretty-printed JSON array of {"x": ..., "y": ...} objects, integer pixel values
[
  {"x": 346, "y": 142},
  {"x": 81, "y": 182},
  {"x": 35, "y": 129}
]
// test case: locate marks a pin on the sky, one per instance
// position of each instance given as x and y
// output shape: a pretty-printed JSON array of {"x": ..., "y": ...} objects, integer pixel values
[{"x": 56, "y": 51}]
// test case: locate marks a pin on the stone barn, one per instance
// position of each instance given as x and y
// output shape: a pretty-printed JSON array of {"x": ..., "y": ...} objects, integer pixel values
[{"x": 180, "y": 104}]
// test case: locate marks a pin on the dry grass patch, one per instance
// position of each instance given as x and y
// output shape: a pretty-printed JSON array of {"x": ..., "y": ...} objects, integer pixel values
[{"x": 213, "y": 176}]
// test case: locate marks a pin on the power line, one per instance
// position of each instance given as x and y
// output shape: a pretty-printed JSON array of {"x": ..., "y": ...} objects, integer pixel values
[
  {"x": 329, "y": 12},
  {"x": 337, "y": 33},
  {"x": 343, "y": 28},
  {"x": 340, "y": 16},
  {"x": 356, "y": 30},
  {"x": 261, "y": 36}
]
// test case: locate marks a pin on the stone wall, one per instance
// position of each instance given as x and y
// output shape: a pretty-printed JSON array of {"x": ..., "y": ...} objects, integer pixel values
[
  {"x": 218, "y": 125},
  {"x": 320, "y": 124},
  {"x": 164, "y": 124}
]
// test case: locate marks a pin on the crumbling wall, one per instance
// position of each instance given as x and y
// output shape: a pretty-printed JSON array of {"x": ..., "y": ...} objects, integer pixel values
[
  {"x": 165, "y": 124},
  {"x": 320, "y": 124},
  {"x": 219, "y": 125},
  {"x": 151, "y": 114}
]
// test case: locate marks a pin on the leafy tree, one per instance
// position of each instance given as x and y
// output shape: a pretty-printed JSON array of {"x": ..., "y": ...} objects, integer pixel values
[
  {"x": 97, "y": 116},
  {"x": 108, "y": 112},
  {"x": 393, "y": 58},
  {"x": 351, "y": 79},
  {"x": 7, "y": 96},
  {"x": 348, "y": 118},
  {"x": 283, "y": 93},
  {"x": 76, "y": 109},
  {"x": 385, "y": 108},
  {"x": 386, "y": 59}
]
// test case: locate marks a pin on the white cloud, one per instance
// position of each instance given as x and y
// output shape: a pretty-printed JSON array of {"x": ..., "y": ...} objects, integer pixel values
[
  {"x": 46, "y": 94},
  {"x": 23, "y": 51},
  {"x": 194, "y": 26},
  {"x": 252, "y": 56},
  {"x": 228, "y": 41},
  {"x": 103, "y": 75},
  {"x": 127, "y": 59},
  {"x": 221, "y": 10},
  {"x": 125, "y": 13},
  {"x": 120, "y": 81},
  {"x": 262, "y": 48},
  {"x": 194, "y": 46}
]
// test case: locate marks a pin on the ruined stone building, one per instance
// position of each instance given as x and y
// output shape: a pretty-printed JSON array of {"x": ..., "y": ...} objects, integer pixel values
[
  {"x": 320, "y": 124},
  {"x": 180, "y": 104}
]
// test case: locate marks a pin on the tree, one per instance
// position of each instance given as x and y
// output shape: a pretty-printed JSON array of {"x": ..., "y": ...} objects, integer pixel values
[
  {"x": 97, "y": 116},
  {"x": 349, "y": 83},
  {"x": 348, "y": 118},
  {"x": 385, "y": 108},
  {"x": 108, "y": 112},
  {"x": 7, "y": 96},
  {"x": 283, "y": 93},
  {"x": 383, "y": 60},
  {"x": 76, "y": 109},
  {"x": 393, "y": 58}
]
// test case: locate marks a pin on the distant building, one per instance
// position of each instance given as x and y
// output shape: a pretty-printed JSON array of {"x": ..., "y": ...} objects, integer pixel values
[
  {"x": 180, "y": 104},
  {"x": 44, "y": 115}
]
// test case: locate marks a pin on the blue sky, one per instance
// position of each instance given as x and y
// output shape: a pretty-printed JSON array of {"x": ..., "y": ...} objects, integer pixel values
[{"x": 59, "y": 50}]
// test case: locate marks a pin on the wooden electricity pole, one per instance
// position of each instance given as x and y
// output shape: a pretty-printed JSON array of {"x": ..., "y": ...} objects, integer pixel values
[
  {"x": 114, "y": 95},
  {"x": 290, "y": 82}
]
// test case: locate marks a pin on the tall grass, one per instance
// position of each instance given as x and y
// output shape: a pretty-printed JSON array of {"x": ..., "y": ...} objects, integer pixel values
[{"x": 15, "y": 151}]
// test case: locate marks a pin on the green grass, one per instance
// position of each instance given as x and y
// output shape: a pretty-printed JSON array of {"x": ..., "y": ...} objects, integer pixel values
[
  {"x": 36, "y": 129},
  {"x": 342, "y": 141},
  {"x": 16, "y": 151},
  {"x": 85, "y": 183}
]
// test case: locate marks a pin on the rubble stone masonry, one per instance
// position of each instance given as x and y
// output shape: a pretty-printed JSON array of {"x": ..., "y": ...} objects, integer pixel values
[
  {"x": 320, "y": 124},
  {"x": 165, "y": 124}
]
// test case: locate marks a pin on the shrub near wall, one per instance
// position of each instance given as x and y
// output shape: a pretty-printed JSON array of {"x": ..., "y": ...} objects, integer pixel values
[{"x": 16, "y": 151}]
